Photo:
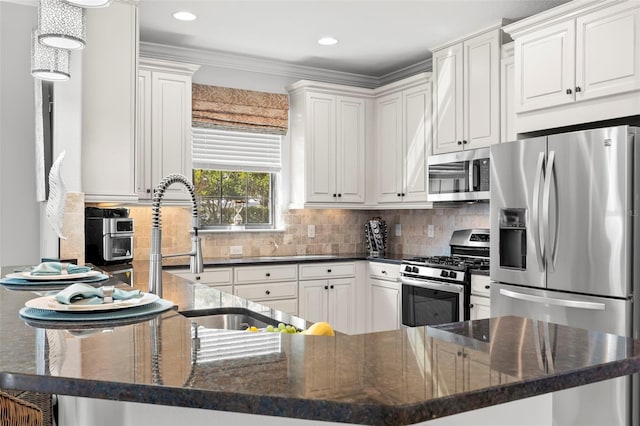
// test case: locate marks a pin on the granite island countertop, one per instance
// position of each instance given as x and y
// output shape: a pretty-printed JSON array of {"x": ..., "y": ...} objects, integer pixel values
[{"x": 396, "y": 377}]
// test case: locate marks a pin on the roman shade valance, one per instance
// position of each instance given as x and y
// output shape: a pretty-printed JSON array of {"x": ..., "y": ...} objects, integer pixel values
[{"x": 241, "y": 110}]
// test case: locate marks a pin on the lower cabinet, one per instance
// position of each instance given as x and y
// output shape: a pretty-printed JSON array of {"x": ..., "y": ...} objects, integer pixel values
[
  {"x": 275, "y": 286},
  {"x": 219, "y": 278},
  {"x": 480, "y": 298},
  {"x": 384, "y": 301},
  {"x": 329, "y": 300}
]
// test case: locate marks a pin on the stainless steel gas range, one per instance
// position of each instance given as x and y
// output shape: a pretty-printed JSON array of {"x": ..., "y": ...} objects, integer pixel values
[{"x": 436, "y": 289}]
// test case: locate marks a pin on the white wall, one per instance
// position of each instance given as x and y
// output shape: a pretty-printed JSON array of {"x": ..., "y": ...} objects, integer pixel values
[{"x": 19, "y": 210}]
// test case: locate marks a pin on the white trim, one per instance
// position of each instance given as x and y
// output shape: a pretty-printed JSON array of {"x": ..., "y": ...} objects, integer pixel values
[
  {"x": 476, "y": 33},
  {"x": 268, "y": 66}
]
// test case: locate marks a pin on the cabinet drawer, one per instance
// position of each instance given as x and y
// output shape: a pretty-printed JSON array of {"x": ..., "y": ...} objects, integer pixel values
[
  {"x": 213, "y": 276},
  {"x": 480, "y": 285},
  {"x": 327, "y": 270},
  {"x": 261, "y": 274},
  {"x": 257, "y": 292},
  {"x": 384, "y": 271},
  {"x": 288, "y": 306}
]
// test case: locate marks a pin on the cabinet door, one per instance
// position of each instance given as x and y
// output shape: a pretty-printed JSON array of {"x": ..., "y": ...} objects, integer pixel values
[
  {"x": 350, "y": 149},
  {"x": 481, "y": 90},
  {"x": 108, "y": 104},
  {"x": 390, "y": 148},
  {"x": 608, "y": 51},
  {"x": 143, "y": 178},
  {"x": 448, "y": 368},
  {"x": 385, "y": 306},
  {"x": 447, "y": 99},
  {"x": 544, "y": 69},
  {"x": 341, "y": 307},
  {"x": 320, "y": 147},
  {"x": 313, "y": 300},
  {"x": 480, "y": 307},
  {"x": 507, "y": 98},
  {"x": 417, "y": 142},
  {"x": 171, "y": 129}
]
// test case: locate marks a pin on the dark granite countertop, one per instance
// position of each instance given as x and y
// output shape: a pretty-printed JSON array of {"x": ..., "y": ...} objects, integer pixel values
[
  {"x": 393, "y": 378},
  {"x": 306, "y": 258}
]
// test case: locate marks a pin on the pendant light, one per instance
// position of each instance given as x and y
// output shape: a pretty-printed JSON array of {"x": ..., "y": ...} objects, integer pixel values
[
  {"x": 61, "y": 25},
  {"x": 48, "y": 63},
  {"x": 89, "y": 3}
]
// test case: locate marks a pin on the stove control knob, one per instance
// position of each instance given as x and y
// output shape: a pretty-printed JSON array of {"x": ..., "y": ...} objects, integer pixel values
[
  {"x": 408, "y": 268},
  {"x": 452, "y": 274},
  {"x": 444, "y": 274}
]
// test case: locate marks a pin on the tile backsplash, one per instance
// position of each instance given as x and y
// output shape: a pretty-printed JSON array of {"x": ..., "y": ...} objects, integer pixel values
[{"x": 337, "y": 231}]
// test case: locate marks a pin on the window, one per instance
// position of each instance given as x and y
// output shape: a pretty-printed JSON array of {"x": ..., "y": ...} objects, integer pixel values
[{"x": 235, "y": 176}]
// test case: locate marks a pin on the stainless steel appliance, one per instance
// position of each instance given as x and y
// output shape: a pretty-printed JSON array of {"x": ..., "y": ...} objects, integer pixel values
[
  {"x": 436, "y": 289},
  {"x": 564, "y": 246},
  {"x": 108, "y": 236},
  {"x": 459, "y": 176}
]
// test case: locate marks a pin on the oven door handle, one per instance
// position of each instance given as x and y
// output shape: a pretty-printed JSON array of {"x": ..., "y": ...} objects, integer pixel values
[{"x": 433, "y": 285}]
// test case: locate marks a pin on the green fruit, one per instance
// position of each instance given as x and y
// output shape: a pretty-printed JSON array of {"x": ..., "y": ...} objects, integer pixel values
[
  {"x": 281, "y": 326},
  {"x": 270, "y": 328}
]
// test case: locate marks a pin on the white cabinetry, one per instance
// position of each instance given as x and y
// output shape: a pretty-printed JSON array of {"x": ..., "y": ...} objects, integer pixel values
[
  {"x": 403, "y": 115},
  {"x": 507, "y": 97},
  {"x": 108, "y": 103},
  {"x": 219, "y": 278},
  {"x": 275, "y": 286},
  {"x": 480, "y": 297},
  {"x": 384, "y": 297},
  {"x": 327, "y": 293},
  {"x": 572, "y": 55},
  {"x": 329, "y": 132},
  {"x": 164, "y": 126},
  {"x": 466, "y": 93}
]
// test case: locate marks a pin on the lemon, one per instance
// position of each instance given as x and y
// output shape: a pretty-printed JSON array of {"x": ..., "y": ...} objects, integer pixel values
[
  {"x": 252, "y": 328},
  {"x": 320, "y": 329}
]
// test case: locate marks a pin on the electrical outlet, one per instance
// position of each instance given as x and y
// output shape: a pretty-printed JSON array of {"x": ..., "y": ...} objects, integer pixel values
[
  {"x": 311, "y": 231},
  {"x": 430, "y": 231},
  {"x": 235, "y": 250},
  {"x": 398, "y": 229}
]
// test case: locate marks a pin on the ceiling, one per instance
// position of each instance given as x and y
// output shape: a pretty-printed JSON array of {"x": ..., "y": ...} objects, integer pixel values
[{"x": 376, "y": 37}]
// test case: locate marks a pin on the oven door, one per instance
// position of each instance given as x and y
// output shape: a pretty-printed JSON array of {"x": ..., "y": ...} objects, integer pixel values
[{"x": 426, "y": 302}]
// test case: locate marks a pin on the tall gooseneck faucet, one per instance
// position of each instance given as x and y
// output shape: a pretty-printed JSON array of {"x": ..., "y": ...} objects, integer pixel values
[{"x": 155, "y": 258}]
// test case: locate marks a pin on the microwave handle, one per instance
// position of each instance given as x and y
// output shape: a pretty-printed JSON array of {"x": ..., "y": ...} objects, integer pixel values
[{"x": 475, "y": 175}]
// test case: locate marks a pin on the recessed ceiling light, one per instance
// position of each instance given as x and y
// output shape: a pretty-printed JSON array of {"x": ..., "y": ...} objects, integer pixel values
[
  {"x": 327, "y": 41},
  {"x": 183, "y": 15}
]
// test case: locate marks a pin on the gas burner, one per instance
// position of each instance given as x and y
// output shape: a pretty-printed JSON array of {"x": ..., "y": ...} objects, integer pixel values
[{"x": 452, "y": 262}]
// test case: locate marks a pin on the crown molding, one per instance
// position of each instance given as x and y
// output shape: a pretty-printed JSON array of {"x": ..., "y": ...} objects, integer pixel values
[{"x": 269, "y": 66}]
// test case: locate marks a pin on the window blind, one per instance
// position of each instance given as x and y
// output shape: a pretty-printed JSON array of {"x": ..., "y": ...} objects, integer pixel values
[{"x": 217, "y": 149}]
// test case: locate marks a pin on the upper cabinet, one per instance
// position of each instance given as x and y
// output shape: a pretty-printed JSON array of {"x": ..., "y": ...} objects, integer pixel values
[
  {"x": 403, "y": 140},
  {"x": 108, "y": 103},
  {"x": 577, "y": 63},
  {"x": 466, "y": 92},
  {"x": 163, "y": 126},
  {"x": 329, "y": 133}
]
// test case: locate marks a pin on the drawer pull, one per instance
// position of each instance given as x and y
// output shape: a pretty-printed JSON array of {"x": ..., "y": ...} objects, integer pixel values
[
  {"x": 487, "y": 286},
  {"x": 329, "y": 270},
  {"x": 331, "y": 286},
  {"x": 268, "y": 274},
  {"x": 384, "y": 272},
  {"x": 268, "y": 292},
  {"x": 198, "y": 277},
  {"x": 326, "y": 287}
]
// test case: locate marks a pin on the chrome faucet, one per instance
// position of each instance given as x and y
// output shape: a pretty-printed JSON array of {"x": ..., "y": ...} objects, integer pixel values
[{"x": 155, "y": 258}]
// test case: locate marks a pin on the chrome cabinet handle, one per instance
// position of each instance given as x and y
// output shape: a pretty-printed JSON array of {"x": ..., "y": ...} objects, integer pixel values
[{"x": 553, "y": 300}]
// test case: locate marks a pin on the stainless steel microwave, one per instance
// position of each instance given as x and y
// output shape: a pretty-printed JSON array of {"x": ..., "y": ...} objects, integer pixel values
[{"x": 459, "y": 176}]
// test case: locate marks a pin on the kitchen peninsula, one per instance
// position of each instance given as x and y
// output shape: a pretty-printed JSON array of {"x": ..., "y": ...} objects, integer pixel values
[{"x": 399, "y": 377}]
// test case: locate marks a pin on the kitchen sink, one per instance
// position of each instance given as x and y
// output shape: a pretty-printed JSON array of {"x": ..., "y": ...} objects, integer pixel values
[{"x": 229, "y": 318}]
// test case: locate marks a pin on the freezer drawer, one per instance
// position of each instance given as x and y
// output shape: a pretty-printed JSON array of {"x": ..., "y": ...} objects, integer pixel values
[{"x": 602, "y": 403}]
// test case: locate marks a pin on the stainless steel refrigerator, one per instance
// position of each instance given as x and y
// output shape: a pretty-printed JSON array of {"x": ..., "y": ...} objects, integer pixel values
[{"x": 564, "y": 249}]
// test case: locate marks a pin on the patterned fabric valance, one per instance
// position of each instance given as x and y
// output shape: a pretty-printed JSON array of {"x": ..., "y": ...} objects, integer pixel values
[{"x": 237, "y": 109}]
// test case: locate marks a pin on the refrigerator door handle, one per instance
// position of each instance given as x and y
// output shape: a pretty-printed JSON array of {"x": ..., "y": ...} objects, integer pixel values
[
  {"x": 568, "y": 303},
  {"x": 549, "y": 241},
  {"x": 535, "y": 212}
]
